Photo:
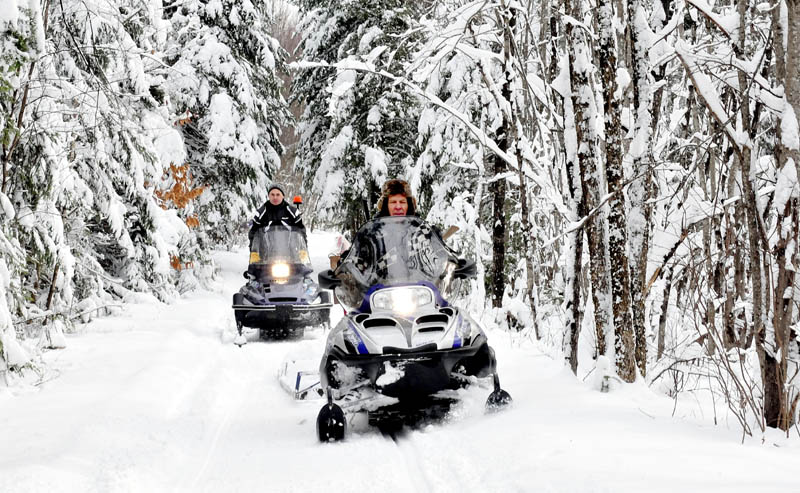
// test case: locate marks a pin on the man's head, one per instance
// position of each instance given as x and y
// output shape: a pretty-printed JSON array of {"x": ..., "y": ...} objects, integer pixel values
[
  {"x": 396, "y": 199},
  {"x": 275, "y": 194},
  {"x": 398, "y": 205}
]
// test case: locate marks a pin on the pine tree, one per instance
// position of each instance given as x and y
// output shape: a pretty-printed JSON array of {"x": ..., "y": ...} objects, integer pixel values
[
  {"x": 18, "y": 47},
  {"x": 224, "y": 84},
  {"x": 358, "y": 127}
]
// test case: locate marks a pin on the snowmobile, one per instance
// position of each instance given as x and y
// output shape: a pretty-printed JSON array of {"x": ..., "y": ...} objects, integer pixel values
[
  {"x": 401, "y": 341},
  {"x": 280, "y": 298}
]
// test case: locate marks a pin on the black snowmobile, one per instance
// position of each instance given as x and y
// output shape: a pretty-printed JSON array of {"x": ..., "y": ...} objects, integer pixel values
[
  {"x": 280, "y": 299},
  {"x": 401, "y": 342}
]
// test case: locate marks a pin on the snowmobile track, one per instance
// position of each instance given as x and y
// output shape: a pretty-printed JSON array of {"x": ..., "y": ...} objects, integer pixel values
[{"x": 411, "y": 460}]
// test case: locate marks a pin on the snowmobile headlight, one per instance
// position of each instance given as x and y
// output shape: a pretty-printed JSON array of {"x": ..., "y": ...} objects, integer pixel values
[
  {"x": 280, "y": 270},
  {"x": 403, "y": 300}
]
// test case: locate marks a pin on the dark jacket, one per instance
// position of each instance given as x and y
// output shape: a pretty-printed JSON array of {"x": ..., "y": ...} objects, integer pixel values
[{"x": 283, "y": 213}]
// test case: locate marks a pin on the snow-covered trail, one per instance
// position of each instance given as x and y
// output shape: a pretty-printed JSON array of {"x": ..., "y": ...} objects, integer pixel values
[{"x": 158, "y": 399}]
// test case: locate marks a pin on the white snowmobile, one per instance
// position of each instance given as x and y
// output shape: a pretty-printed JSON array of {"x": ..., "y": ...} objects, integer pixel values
[{"x": 401, "y": 342}]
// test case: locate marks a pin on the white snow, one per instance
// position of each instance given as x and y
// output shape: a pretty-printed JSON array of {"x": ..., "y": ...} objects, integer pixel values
[
  {"x": 375, "y": 159},
  {"x": 786, "y": 185},
  {"x": 157, "y": 398},
  {"x": 729, "y": 24},
  {"x": 9, "y": 13},
  {"x": 6, "y": 207},
  {"x": 790, "y": 135}
]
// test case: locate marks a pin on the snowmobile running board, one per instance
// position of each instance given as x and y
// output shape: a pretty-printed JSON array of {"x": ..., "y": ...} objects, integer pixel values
[{"x": 272, "y": 308}]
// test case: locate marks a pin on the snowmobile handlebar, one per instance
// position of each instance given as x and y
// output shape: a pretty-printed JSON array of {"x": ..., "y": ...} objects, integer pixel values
[
  {"x": 328, "y": 280},
  {"x": 466, "y": 269}
]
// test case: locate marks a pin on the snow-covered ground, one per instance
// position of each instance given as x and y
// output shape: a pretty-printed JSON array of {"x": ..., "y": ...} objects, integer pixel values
[{"x": 157, "y": 398}]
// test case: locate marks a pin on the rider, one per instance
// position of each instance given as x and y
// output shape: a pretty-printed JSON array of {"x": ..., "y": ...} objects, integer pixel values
[
  {"x": 396, "y": 200},
  {"x": 277, "y": 211}
]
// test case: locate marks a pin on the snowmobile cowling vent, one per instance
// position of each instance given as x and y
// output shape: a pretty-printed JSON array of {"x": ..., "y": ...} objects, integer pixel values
[
  {"x": 279, "y": 299},
  {"x": 432, "y": 319},
  {"x": 379, "y": 322},
  {"x": 431, "y": 328}
]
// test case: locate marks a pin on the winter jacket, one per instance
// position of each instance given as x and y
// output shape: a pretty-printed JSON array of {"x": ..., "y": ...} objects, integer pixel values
[{"x": 283, "y": 213}]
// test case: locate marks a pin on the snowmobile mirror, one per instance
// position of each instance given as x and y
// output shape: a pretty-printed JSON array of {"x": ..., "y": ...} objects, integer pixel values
[
  {"x": 328, "y": 280},
  {"x": 466, "y": 269}
]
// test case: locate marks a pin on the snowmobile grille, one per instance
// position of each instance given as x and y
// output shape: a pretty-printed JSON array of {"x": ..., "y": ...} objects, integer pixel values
[
  {"x": 379, "y": 322},
  {"x": 279, "y": 300}
]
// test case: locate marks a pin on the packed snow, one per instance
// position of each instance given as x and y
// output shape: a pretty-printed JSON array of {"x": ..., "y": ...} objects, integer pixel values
[{"x": 157, "y": 398}]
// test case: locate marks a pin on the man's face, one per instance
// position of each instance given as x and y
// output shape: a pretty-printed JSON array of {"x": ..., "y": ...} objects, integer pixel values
[
  {"x": 275, "y": 196},
  {"x": 398, "y": 205}
]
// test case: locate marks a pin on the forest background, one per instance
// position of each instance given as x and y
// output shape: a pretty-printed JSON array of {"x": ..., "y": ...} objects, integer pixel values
[{"x": 626, "y": 172}]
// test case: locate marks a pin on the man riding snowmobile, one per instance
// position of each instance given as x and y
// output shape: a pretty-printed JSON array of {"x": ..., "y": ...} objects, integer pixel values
[
  {"x": 401, "y": 340},
  {"x": 277, "y": 211},
  {"x": 280, "y": 299}
]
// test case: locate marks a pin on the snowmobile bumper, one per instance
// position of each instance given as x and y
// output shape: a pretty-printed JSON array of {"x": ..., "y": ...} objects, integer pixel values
[
  {"x": 416, "y": 372},
  {"x": 260, "y": 316}
]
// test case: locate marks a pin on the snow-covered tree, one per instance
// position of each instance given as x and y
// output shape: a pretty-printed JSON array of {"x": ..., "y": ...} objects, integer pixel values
[
  {"x": 87, "y": 144},
  {"x": 223, "y": 80},
  {"x": 19, "y": 43},
  {"x": 358, "y": 127}
]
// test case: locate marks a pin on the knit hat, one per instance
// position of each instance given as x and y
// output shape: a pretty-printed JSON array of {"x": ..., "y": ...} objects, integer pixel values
[
  {"x": 396, "y": 187},
  {"x": 278, "y": 186}
]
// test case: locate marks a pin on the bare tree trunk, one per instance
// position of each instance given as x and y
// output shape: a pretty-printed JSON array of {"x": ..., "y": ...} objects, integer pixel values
[
  {"x": 780, "y": 399},
  {"x": 583, "y": 107},
  {"x": 498, "y": 186},
  {"x": 641, "y": 189},
  {"x": 527, "y": 237},
  {"x": 662, "y": 319},
  {"x": 744, "y": 154},
  {"x": 708, "y": 254},
  {"x": 574, "y": 247},
  {"x": 617, "y": 219}
]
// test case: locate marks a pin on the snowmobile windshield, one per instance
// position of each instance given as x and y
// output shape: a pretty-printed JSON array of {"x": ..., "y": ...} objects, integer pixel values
[
  {"x": 279, "y": 244},
  {"x": 395, "y": 250}
]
